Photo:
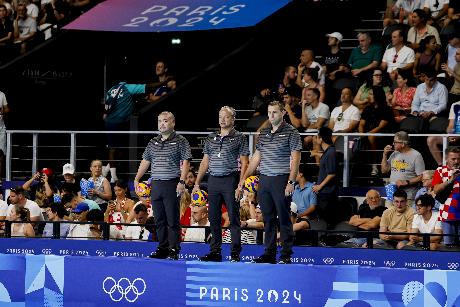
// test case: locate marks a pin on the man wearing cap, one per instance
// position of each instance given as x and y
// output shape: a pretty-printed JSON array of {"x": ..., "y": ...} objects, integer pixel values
[
  {"x": 278, "y": 154},
  {"x": 79, "y": 231},
  {"x": 164, "y": 155},
  {"x": 221, "y": 154},
  {"x": 70, "y": 183},
  {"x": 333, "y": 59}
]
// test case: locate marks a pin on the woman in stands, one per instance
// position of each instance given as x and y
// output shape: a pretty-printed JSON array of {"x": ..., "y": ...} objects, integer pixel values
[
  {"x": 23, "y": 229},
  {"x": 118, "y": 210},
  {"x": 363, "y": 98},
  {"x": 101, "y": 192},
  {"x": 403, "y": 95},
  {"x": 427, "y": 57},
  {"x": 376, "y": 118}
]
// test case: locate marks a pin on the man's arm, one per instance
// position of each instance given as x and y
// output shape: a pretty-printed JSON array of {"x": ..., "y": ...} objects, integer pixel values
[
  {"x": 143, "y": 167},
  {"x": 371, "y": 223},
  {"x": 308, "y": 211},
  {"x": 244, "y": 160},
  {"x": 253, "y": 163},
  {"x": 296, "y": 122},
  {"x": 204, "y": 164}
]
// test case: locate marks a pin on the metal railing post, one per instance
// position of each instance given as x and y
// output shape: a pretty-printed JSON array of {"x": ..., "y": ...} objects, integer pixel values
[
  {"x": 34, "y": 152},
  {"x": 444, "y": 147},
  {"x": 73, "y": 149},
  {"x": 8, "y": 155},
  {"x": 346, "y": 162},
  {"x": 251, "y": 144}
]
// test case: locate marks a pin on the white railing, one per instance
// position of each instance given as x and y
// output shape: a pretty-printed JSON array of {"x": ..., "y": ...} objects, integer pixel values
[{"x": 134, "y": 148}]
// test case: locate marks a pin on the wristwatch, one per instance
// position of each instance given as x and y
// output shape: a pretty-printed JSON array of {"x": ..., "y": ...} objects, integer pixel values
[{"x": 291, "y": 182}]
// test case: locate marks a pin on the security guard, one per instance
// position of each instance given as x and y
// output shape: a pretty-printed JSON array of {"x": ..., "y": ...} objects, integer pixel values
[
  {"x": 165, "y": 153},
  {"x": 278, "y": 153},
  {"x": 221, "y": 153}
]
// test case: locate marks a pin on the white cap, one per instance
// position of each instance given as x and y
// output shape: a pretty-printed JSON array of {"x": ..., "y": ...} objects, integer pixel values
[
  {"x": 293, "y": 207},
  {"x": 336, "y": 35},
  {"x": 68, "y": 169}
]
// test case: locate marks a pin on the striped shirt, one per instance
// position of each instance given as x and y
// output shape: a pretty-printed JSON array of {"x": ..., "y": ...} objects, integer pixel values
[
  {"x": 224, "y": 152},
  {"x": 275, "y": 149},
  {"x": 165, "y": 156}
]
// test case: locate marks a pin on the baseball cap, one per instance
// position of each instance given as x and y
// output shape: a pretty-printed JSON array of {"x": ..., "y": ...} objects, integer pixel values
[
  {"x": 337, "y": 35},
  {"x": 68, "y": 169},
  {"x": 293, "y": 207},
  {"x": 81, "y": 207},
  {"x": 47, "y": 171}
]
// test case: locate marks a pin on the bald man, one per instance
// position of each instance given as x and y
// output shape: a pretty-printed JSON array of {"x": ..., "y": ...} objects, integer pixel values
[{"x": 368, "y": 217}]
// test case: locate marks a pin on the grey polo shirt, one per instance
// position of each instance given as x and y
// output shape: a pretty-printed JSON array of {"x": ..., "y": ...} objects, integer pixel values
[
  {"x": 224, "y": 152},
  {"x": 165, "y": 156},
  {"x": 275, "y": 149}
]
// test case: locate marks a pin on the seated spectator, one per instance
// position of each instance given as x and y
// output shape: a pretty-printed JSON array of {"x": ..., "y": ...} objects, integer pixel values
[
  {"x": 430, "y": 98},
  {"x": 377, "y": 117},
  {"x": 3, "y": 212},
  {"x": 41, "y": 187},
  {"x": 397, "y": 218},
  {"x": 402, "y": 95},
  {"x": 23, "y": 229},
  {"x": 405, "y": 165},
  {"x": 199, "y": 218},
  {"x": 368, "y": 218},
  {"x": 18, "y": 198},
  {"x": 401, "y": 10},
  {"x": 453, "y": 73},
  {"x": 79, "y": 231},
  {"x": 344, "y": 118},
  {"x": 333, "y": 59},
  {"x": 247, "y": 236},
  {"x": 421, "y": 30},
  {"x": 303, "y": 196},
  {"x": 310, "y": 80},
  {"x": 364, "y": 58},
  {"x": 55, "y": 12},
  {"x": 425, "y": 221},
  {"x": 307, "y": 60},
  {"x": 315, "y": 115},
  {"x": 138, "y": 232},
  {"x": 102, "y": 191},
  {"x": 95, "y": 230},
  {"x": 427, "y": 188},
  {"x": 362, "y": 98},
  {"x": 71, "y": 184},
  {"x": 398, "y": 56},
  {"x": 123, "y": 204},
  {"x": 25, "y": 28},
  {"x": 55, "y": 213},
  {"x": 163, "y": 90},
  {"x": 426, "y": 58},
  {"x": 257, "y": 222},
  {"x": 298, "y": 225}
]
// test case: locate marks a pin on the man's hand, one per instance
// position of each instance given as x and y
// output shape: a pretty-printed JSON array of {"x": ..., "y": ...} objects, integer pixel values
[
  {"x": 316, "y": 189},
  {"x": 180, "y": 189},
  {"x": 289, "y": 189}
]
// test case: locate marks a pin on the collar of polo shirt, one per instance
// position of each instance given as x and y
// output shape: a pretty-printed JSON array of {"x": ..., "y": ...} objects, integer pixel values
[{"x": 170, "y": 137}]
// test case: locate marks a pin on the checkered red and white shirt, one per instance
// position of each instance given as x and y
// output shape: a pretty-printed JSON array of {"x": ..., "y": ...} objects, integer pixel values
[{"x": 450, "y": 210}]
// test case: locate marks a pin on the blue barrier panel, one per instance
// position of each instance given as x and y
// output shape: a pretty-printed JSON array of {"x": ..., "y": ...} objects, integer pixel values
[
  {"x": 191, "y": 251},
  {"x": 175, "y": 15},
  {"x": 93, "y": 281}
]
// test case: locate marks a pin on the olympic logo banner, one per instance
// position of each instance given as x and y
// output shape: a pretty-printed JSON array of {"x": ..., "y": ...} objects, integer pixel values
[{"x": 175, "y": 15}]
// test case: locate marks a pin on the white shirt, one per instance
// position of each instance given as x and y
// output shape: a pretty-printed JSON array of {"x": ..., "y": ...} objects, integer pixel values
[
  {"x": 405, "y": 56},
  {"x": 322, "y": 110},
  {"x": 196, "y": 234},
  {"x": 32, "y": 10},
  {"x": 34, "y": 209},
  {"x": 433, "y": 223},
  {"x": 133, "y": 232},
  {"x": 433, "y": 9},
  {"x": 350, "y": 114},
  {"x": 79, "y": 232}
]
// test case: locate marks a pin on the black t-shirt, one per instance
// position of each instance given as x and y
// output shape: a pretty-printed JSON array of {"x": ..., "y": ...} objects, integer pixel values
[
  {"x": 297, "y": 110},
  {"x": 6, "y": 27},
  {"x": 333, "y": 61},
  {"x": 328, "y": 166},
  {"x": 373, "y": 116}
]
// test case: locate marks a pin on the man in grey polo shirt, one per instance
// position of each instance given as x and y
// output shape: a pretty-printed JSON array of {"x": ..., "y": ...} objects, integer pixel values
[
  {"x": 221, "y": 153},
  {"x": 164, "y": 154},
  {"x": 278, "y": 153}
]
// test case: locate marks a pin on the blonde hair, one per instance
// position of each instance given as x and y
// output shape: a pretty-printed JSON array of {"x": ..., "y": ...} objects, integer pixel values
[
  {"x": 185, "y": 201},
  {"x": 244, "y": 213},
  {"x": 229, "y": 110}
]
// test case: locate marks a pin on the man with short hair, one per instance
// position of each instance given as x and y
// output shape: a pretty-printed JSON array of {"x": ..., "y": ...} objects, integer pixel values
[
  {"x": 405, "y": 164},
  {"x": 365, "y": 57},
  {"x": 164, "y": 155},
  {"x": 430, "y": 98},
  {"x": 200, "y": 216},
  {"x": 278, "y": 154},
  {"x": 303, "y": 195},
  {"x": 397, "y": 218},
  {"x": 307, "y": 59},
  {"x": 25, "y": 28},
  {"x": 222, "y": 151},
  {"x": 138, "y": 232},
  {"x": 344, "y": 118},
  {"x": 6, "y": 28},
  {"x": 18, "y": 198},
  {"x": 398, "y": 56},
  {"x": 425, "y": 221}
]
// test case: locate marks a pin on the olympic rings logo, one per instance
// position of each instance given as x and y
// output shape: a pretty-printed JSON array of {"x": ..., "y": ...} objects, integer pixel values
[
  {"x": 453, "y": 265},
  {"x": 124, "y": 288},
  {"x": 328, "y": 260}
]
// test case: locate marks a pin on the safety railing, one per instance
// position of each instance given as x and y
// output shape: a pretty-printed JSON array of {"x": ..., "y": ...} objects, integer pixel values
[{"x": 23, "y": 148}]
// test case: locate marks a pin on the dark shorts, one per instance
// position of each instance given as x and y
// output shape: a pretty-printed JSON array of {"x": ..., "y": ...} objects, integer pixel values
[{"x": 116, "y": 140}]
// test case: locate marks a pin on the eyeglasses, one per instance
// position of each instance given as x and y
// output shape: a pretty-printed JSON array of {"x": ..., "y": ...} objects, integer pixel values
[
  {"x": 340, "y": 117},
  {"x": 141, "y": 234},
  {"x": 395, "y": 58},
  {"x": 377, "y": 75},
  {"x": 397, "y": 142}
]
